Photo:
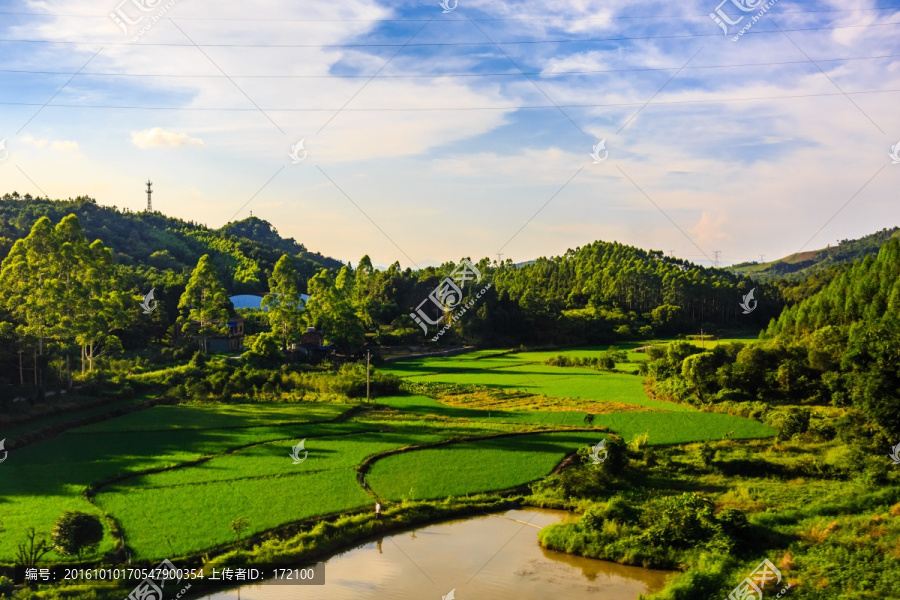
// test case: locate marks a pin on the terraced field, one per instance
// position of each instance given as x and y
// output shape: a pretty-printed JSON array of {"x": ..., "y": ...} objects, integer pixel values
[
  {"x": 472, "y": 467},
  {"x": 174, "y": 477}
]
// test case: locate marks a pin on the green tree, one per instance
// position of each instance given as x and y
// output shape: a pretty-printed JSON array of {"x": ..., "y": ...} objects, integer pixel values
[
  {"x": 204, "y": 301},
  {"x": 283, "y": 301},
  {"x": 265, "y": 349},
  {"x": 873, "y": 365},
  {"x": 75, "y": 532},
  {"x": 699, "y": 371},
  {"x": 27, "y": 288},
  {"x": 330, "y": 308},
  {"x": 239, "y": 525},
  {"x": 102, "y": 305},
  {"x": 61, "y": 288}
]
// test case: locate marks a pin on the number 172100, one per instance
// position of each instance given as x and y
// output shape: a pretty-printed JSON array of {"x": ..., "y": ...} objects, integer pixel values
[{"x": 295, "y": 574}]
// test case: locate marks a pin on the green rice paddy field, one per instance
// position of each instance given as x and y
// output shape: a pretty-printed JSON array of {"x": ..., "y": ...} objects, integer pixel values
[{"x": 174, "y": 477}]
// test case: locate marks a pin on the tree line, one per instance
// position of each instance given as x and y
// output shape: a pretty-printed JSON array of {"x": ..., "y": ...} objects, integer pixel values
[{"x": 841, "y": 347}]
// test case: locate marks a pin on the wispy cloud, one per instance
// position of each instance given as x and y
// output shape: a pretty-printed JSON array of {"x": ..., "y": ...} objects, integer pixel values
[
  {"x": 739, "y": 149},
  {"x": 160, "y": 137},
  {"x": 64, "y": 145}
]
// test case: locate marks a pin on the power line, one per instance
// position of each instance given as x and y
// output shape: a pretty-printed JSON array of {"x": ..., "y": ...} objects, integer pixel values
[
  {"x": 547, "y": 18},
  {"x": 436, "y": 75},
  {"x": 449, "y": 108},
  {"x": 445, "y": 44}
]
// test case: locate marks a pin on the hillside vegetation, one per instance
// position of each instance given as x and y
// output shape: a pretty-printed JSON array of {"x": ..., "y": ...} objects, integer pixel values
[{"x": 804, "y": 264}]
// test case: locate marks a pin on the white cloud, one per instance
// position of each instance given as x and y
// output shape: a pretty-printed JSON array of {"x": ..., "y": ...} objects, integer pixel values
[
  {"x": 744, "y": 176},
  {"x": 30, "y": 140},
  {"x": 65, "y": 145},
  {"x": 160, "y": 137}
]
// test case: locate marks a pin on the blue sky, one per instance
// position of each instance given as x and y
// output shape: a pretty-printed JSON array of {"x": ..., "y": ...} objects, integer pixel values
[{"x": 474, "y": 135}]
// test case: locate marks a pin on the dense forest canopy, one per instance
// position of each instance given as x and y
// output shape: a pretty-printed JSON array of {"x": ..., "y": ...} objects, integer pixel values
[
  {"x": 146, "y": 243},
  {"x": 841, "y": 347},
  {"x": 599, "y": 293}
]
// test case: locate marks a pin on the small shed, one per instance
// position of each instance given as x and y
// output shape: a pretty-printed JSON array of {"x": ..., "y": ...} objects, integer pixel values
[{"x": 312, "y": 339}]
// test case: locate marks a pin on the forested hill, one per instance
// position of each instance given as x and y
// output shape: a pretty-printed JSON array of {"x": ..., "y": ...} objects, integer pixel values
[
  {"x": 804, "y": 264},
  {"x": 840, "y": 347},
  {"x": 861, "y": 297},
  {"x": 667, "y": 293},
  {"x": 150, "y": 243}
]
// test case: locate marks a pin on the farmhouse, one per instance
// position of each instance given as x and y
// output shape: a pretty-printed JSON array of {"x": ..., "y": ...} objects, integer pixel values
[{"x": 231, "y": 342}]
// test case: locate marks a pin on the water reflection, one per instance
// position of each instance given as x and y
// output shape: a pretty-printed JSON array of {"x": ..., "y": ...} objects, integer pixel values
[{"x": 494, "y": 557}]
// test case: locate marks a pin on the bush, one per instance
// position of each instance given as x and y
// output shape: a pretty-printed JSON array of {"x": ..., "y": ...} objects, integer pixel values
[
  {"x": 607, "y": 363},
  {"x": 265, "y": 350},
  {"x": 679, "y": 521},
  {"x": 75, "y": 532},
  {"x": 199, "y": 360},
  {"x": 592, "y": 519},
  {"x": 796, "y": 421},
  {"x": 707, "y": 453},
  {"x": 733, "y": 523},
  {"x": 619, "y": 509}
]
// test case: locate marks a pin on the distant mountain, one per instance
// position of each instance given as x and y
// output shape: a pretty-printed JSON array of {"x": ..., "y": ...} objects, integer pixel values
[
  {"x": 804, "y": 264},
  {"x": 146, "y": 244}
]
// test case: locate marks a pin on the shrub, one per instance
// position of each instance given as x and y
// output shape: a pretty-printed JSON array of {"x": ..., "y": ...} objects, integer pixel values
[
  {"x": 592, "y": 519},
  {"x": 619, "y": 509},
  {"x": 733, "y": 523},
  {"x": 607, "y": 363},
  {"x": 6, "y": 585},
  {"x": 623, "y": 331},
  {"x": 75, "y": 532},
  {"x": 795, "y": 421},
  {"x": 199, "y": 360},
  {"x": 679, "y": 521},
  {"x": 707, "y": 453}
]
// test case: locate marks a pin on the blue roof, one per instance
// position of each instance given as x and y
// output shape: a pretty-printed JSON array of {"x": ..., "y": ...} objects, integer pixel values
[{"x": 254, "y": 301}]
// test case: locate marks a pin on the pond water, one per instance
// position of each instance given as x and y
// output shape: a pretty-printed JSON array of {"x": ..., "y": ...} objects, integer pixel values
[{"x": 494, "y": 557}]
